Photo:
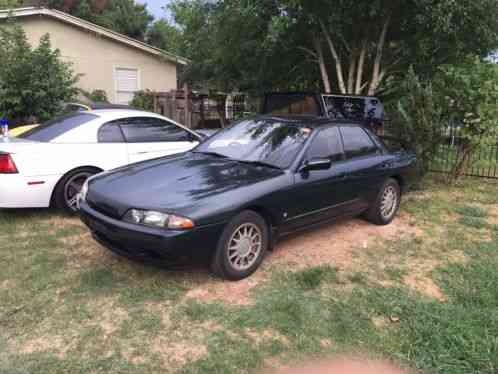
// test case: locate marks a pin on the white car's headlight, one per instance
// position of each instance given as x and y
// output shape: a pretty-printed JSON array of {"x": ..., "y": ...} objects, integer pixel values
[{"x": 157, "y": 219}]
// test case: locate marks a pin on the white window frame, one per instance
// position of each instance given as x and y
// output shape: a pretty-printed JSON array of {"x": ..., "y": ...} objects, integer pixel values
[{"x": 115, "y": 78}]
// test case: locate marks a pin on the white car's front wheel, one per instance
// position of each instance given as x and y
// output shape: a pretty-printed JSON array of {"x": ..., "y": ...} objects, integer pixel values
[{"x": 68, "y": 188}]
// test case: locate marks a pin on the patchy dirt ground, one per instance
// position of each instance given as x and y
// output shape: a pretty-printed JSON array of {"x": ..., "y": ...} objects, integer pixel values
[{"x": 333, "y": 244}]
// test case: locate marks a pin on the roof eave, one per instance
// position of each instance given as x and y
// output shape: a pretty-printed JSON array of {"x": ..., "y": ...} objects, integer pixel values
[{"x": 64, "y": 17}]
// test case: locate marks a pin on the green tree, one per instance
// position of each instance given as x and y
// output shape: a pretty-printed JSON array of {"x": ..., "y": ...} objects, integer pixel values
[
  {"x": 419, "y": 119},
  {"x": 9, "y": 4},
  {"x": 470, "y": 93},
  {"x": 165, "y": 36},
  {"x": 123, "y": 16},
  {"x": 34, "y": 82},
  {"x": 347, "y": 46}
]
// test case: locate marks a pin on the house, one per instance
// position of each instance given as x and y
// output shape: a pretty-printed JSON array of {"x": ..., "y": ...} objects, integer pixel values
[{"x": 106, "y": 60}]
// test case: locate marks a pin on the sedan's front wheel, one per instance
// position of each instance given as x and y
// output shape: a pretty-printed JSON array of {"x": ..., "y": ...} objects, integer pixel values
[{"x": 242, "y": 247}]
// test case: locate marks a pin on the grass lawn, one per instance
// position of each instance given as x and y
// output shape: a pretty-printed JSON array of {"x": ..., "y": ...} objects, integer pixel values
[{"x": 427, "y": 300}]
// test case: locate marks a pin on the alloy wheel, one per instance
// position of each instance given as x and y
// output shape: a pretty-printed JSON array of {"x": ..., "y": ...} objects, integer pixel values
[
  {"x": 244, "y": 246},
  {"x": 73, "y": 187},
  {"x": 388, "y": 202}
]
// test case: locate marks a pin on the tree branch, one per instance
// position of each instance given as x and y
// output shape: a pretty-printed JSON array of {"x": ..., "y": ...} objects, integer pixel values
[
  {"x": 321, "y": 63},
  {"x": 378, "y": 58},
  {"x": 361, "y": 64},
  {"x": 335, "y": 55}
]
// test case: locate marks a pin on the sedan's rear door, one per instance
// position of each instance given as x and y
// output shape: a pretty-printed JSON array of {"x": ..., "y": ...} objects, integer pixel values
[
  {"x": 151, "y": 137},
  {"x": 366, "y": 165}
]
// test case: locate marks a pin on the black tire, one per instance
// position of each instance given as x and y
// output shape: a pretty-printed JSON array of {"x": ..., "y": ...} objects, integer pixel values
[
  {"x": 221, "y": 263},
  {"x": 377, "y": 213},
  {"x": 69, "y": 186}
]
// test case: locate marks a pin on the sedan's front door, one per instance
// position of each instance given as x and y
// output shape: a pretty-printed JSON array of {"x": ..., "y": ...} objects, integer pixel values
[
  {"x": 318, "y": 195},
  {"x": 151, "y": 137}
]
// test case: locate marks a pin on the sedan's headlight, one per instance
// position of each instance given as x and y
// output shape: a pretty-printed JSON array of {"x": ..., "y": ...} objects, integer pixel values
[
  {"x": 82, "y": 194},
  {"x": 157, "y": 219},
  {"x": 84, "y": 191}
]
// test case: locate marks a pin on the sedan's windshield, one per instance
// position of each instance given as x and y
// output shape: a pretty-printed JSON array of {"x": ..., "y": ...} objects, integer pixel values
[
  {"x": 57, "y": 126},
  {"x": 267, "y": 141}
]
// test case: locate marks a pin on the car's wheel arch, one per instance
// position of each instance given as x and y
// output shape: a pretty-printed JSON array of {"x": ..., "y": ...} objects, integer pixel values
[
  {"x": 401, "y": 181},
  {"x": 270, "y": 219},
  {"x": 86, "y": 167}
]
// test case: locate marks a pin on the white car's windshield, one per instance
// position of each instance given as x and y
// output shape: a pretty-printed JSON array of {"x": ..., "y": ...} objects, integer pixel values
[
  {"x": 54, "y": 128},
  {"x": 264, "y": 141}
]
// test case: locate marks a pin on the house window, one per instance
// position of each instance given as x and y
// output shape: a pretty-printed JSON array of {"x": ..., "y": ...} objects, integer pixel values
[{"x": 127, "y": 83}]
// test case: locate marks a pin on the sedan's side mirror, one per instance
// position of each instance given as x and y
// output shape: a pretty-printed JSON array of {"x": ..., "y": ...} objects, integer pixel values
[{"x": 317, "y": 164}]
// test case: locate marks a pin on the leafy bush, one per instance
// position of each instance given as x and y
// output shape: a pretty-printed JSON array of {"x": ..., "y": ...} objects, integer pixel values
[
  {"x": 143, "y": 100},
  {"x": 419, "y": 120},
  {"x": 96, "y": 96},
  {"x": 33, "y": 81},
  {"x": 470, "y": 94}
]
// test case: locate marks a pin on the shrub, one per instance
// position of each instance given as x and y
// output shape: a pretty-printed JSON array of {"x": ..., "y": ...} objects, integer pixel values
[
  {"x": 470, "y": 94},
  {"x": 96, "y": 96},
  {"x": 34, "y": 82},
  {"x": 143, "y": 100},
  {"x": 418, "y": 119}
]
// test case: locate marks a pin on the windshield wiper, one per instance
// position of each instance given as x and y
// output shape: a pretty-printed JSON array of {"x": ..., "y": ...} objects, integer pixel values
[
  {"x": 259, "y": 163},
  {"x": 212, "y": 154}
]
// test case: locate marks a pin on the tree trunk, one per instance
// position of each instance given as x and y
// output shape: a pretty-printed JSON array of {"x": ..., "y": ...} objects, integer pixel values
[
  {"x": 376, "y": 77},
  {"x": 361, "y": 64},
  {"x": 321, "y": 62},
  {"x": 351, "y": 72},
  {"x": 337, "y": 59}
]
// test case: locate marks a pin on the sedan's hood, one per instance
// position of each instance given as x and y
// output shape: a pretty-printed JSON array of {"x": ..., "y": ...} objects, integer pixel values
[{"x": 172, "y": 184}]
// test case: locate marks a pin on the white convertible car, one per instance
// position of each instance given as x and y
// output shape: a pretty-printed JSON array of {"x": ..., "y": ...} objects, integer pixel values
[{"x": 47, "y": 165}]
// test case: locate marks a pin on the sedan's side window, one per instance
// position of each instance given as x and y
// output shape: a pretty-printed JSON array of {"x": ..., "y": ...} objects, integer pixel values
[
  {"x": 357, "y": 143},
  {"x": 327, "y": 144},
  {"x": 110, "y": 133},
  {"x": 148, "y": 129}
]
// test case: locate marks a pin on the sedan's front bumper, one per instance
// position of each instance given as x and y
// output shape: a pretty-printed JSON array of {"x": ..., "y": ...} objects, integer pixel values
[{"x": 151, "y": 244}]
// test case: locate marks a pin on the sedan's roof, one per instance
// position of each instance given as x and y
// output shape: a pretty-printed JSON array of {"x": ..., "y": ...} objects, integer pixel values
[{"x": 307, "y": 120}]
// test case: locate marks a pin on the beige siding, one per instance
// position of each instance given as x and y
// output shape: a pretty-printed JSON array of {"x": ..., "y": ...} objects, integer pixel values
[{"x": 97, "y": 57}]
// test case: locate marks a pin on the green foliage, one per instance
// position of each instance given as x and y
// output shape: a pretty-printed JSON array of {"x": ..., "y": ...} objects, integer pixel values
[
  {"x": 9, "y": 4},
  {"x": 165, "y": 36},
  {"x": 34, "y": 82},
  {"x": 143, "y": 100},
  {"x": 259, "y": 45},
  {"x": 123, "y": 16},
  {"x": 470, "y": 92},
  {"x": 419, "y": 120},
  {"x": 96, "y": 96}
]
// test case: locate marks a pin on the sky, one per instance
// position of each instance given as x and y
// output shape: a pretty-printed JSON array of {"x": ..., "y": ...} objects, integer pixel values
[{"x": 155, "y": 7}]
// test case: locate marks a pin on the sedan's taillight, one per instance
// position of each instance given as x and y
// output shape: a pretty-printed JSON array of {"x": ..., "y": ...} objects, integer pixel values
[{"x": 7, "y": 165}]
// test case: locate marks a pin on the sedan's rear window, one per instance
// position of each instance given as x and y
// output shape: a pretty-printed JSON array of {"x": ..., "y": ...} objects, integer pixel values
[{"x": 54, "y": 128}]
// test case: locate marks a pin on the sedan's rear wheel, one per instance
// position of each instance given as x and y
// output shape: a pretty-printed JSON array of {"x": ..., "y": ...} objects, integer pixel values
[
  {"x": 69, "y": 187},
  {"x": 386, "y": 206},
  {"x": 242, "y": 247}
]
